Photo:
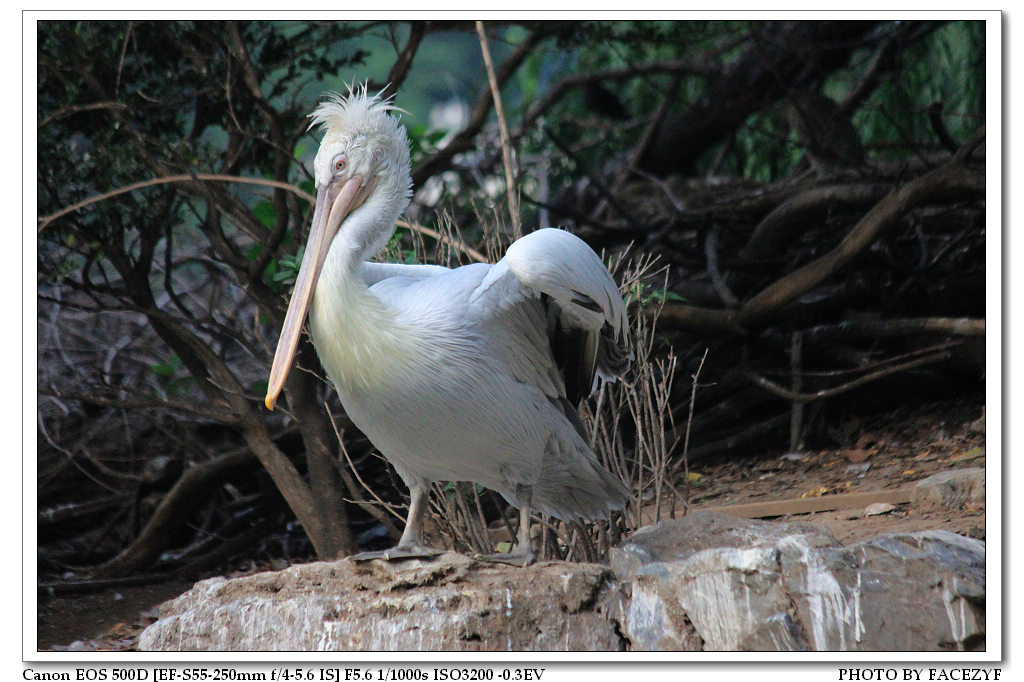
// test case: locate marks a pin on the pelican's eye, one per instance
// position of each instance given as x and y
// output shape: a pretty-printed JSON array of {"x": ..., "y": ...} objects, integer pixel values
[{"x": 340, "y": 162}]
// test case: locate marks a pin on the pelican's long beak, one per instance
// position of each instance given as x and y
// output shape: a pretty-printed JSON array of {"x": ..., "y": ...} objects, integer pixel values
[{"x": 333, "y": 203}]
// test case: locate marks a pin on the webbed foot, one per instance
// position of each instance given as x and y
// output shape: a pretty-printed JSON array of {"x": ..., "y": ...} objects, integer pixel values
[{"x": 516, "y": 558}]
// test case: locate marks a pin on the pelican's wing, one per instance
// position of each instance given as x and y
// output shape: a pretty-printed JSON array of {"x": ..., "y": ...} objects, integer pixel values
[
  {"x": 373, "y": 273},
  {"x": 586, "y": 317},
  {"x": 393, "y": 281}
]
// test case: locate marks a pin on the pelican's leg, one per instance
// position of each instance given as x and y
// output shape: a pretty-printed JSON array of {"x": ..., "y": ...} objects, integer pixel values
[
  {"x": 410, "y": 546},
  {"x": 523, "y": 554}
]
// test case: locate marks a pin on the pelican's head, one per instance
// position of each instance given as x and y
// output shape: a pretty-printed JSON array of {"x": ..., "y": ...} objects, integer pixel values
[
  {"x": 362, "y": 140},
  {"x": 362, "y": 186}
]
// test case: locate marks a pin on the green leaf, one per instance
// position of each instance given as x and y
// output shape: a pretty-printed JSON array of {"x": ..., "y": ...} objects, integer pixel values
[
  {"x": 284, "y": 270},
  {"x": 663, "y": 295},
  {"x": 265, "y": 213},
  {"x": 167, "y": 369},
  {"x": 284, "y": 276},
  {"x": 646, "y": 295}
]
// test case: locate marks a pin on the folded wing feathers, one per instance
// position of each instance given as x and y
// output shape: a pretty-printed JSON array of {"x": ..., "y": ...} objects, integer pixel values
[
  {"x": 578, "y": 488},
  {"x": 586, "y": 316}
]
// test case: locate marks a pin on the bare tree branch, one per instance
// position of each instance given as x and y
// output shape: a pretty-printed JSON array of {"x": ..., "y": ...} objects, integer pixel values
[{"x": 196, "y": 177}]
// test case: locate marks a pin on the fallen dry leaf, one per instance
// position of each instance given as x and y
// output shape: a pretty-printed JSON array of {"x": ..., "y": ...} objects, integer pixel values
[
  {"x": 815, "y": 492},
  {"x": 120, "y": 630},
  {"x": 877, "y": 508},
  {"x": 857, "y": 455},
  {"x": 973, "y": 453},
  {"x": 822, "y": 490},
  {"x": 865, "y": 440}
]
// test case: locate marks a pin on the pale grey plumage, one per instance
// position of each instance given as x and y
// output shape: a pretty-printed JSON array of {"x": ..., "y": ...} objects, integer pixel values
[
  {"x": 484, "y": 403},
  {"x": 459, "y": 374}
]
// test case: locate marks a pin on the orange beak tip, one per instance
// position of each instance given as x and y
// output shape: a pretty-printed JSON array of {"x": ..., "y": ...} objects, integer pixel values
[{"x": 269, "y": 402}]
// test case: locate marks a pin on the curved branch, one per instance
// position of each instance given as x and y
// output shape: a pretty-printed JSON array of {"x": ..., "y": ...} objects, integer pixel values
[
  {"x": 696, "y": 318},
  {"x": 195, "y": 483},
  {"x": 795, "y": 53},
  {"x": 717, "y": 280},
  {"x": 205, "y": 410},
  {"x": 195, "y": 177},
  {"x": 947, "y": 183},
  {"x": 798, "y": 397},
  {"x": 679, "y": 67},
  {"x": 916, "y": 326},
  {"x": 72, "y": 109},
  {"x": 400, "y": 69},
  {"x": 952, "y": 180},
  {"x": 780, "y": 226},
  {"x": 206, "y": 177}
]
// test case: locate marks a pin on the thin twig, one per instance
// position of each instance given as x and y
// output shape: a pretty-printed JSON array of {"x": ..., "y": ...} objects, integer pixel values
[
  {"x": 797, "y": 414},
  {"x": 655, "y": 123},
  {"x": 686, "y": 436},
  {"x": 717, "y": 280},
  {"x": 451, "y": 241},
  {"x": 72, "y": 109},
  {"x": 120, "y": 63},
  {"x": 466, "y": 138},
  {"x": 559, "y": 89},
  {"x": 400, "y": 69},
  {"x": 605, "y": 191},
  {"x": 783, "y": 392},
  {"x": 506, "y": 140},
  {"x": 890, "y": 327},
  {"x": 886, "y": 362},
  {"x": 370, "y": 509}
]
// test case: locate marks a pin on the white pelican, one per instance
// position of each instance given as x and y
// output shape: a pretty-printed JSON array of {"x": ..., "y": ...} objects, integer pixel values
[{"x": 465, "y": 374}]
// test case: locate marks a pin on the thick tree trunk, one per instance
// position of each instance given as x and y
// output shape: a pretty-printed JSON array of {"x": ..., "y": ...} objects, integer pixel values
[{"x": 321, "y": 448}]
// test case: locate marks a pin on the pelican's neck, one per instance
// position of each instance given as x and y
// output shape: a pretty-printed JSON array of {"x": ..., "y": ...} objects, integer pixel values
[
  {"x": 341, "y": 293},
  {"x": 368, "y": 228},
  {"x": 355, "y": 332}
]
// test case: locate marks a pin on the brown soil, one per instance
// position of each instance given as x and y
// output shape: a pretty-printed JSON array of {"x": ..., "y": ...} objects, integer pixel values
[
  {"x": 106, "y": 620},
  {"x": 888, "y": 451},
  {"x": 896, "y": 450}
]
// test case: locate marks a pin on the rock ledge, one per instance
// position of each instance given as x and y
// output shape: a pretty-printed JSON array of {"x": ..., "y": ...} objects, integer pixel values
[{"x": 707, "y": 581}]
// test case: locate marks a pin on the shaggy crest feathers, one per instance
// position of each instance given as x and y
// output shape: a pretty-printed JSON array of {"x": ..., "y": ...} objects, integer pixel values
[
  {"x": 361, "y": 125},
  {"x": 358, "y": 110}
]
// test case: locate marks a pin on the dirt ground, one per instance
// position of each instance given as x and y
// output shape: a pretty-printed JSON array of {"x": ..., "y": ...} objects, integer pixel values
[
  {"x": 107, "y": 620},
  {"x": 888, "y": 451},
  {"x": 884, "y": 452}
]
